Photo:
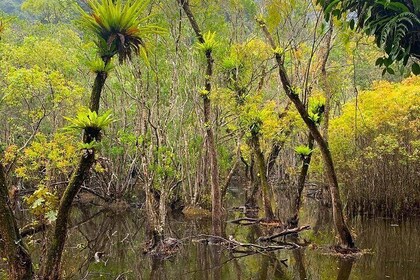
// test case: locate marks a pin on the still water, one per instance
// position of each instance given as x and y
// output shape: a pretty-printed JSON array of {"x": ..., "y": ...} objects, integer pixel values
[{"x": 393, "y": 250}]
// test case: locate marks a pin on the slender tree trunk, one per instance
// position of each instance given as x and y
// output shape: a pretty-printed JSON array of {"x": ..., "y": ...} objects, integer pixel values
[
  {"x": 14, "y": 249},
  {"x": 51, "y": 269},
  {"x": 340, "y": 224},
  {"x": 297, "y": 199},
  {"x": 265, "y": 190},
  {"x": 328, "y": 96},
  {"x": 325, "y": 84},
  {"x": 212, "y": 152}
]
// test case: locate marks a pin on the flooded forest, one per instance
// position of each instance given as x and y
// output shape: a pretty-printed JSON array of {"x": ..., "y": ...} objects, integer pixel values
[{"x": 210, "y": 139}]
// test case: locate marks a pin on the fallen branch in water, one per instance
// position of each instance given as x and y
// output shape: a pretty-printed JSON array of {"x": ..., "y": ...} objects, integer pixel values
[
  {"x": 237, "y": 247},
  {"x": 251, "y": 221},
  {"x": 283, "y": 233}
]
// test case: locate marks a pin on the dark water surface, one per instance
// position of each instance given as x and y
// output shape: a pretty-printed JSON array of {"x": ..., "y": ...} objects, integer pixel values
[{"x": 394, "y": 250}]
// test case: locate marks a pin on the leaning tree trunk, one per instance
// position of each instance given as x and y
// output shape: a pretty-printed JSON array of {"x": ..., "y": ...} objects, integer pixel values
[
  {"x": 51, "y": 269},
  {"x": 13, "y": 247},
  {"x": 297, "y": 199},
  {"x": 265, "y": 190},
  {"x": 340, "y": 224},
  {"x": 212, "y": 152}
]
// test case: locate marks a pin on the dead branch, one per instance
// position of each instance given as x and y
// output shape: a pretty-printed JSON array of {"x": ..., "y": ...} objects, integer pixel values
[{"x": 283, "y": 233}]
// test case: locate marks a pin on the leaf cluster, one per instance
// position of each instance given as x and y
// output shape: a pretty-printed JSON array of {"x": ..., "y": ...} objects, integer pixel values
[
  {"x": 98, "y": 65},
  {"x": 43, "y": 203},
  {"x": 209, "y": 44},
  {"x": 316, "y": 109},
  {"x": 119, "y": 27},
  {"x": 303, "y": 150},
  {"x": 86, "y": 119}
]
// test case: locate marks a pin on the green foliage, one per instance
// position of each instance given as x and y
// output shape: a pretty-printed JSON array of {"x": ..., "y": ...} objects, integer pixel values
[
  {"x": 88, "y": 146},
  {"x": 86, "y": 119},
  {"x": 395, "y": 25},
  {"x": 49, "y": 11},
  {"x": 381, "y": 142},
  {"x": 209, "y": 43},
  {"x": 98, "y": 65},
  {"x": 316, "y": 109},
  {"x": 119, "y": 26},
  {"x": 43, "y": 203},
  {"x": 303, "y": 150},
  {"x": 164, "y": 165},
  {"x": 45, "y": 160}
]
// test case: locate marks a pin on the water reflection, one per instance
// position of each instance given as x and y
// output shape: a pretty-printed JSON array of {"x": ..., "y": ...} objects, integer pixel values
[
  {"x": 121, "y": 237},
  {"x": 344, "y": 268}
]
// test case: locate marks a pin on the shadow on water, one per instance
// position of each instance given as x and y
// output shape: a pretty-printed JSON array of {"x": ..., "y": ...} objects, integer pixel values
[{"x": 109, "y": 245}]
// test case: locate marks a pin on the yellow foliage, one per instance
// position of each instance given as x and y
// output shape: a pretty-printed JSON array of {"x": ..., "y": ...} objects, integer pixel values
[
  {"x": 43, "y": 203},
  {"x": 45, "y": 157},
  {"x": 387, "y": 117}
]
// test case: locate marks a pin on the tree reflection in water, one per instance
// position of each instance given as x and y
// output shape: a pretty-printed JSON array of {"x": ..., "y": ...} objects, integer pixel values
[{"x": 121, "y": 237}]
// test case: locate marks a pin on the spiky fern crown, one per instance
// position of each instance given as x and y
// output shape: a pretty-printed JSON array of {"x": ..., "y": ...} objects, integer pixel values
[{"x": 120, "y": 27}]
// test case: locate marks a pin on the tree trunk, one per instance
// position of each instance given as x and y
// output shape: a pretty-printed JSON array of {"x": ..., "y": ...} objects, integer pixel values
[
  {"x": 51, "y": 269},
  {"x": 297, "y": 199},
  {"x": 265, "y": 190},
  {"x": 325, "y": 85},
  {"x": 338, "y": 217},
  {"x": 328, "y": 96},
  {"x": 252, "y": 189},
  {"x": 14, "y": 249},
  {"x": 212, "y": 152}
]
